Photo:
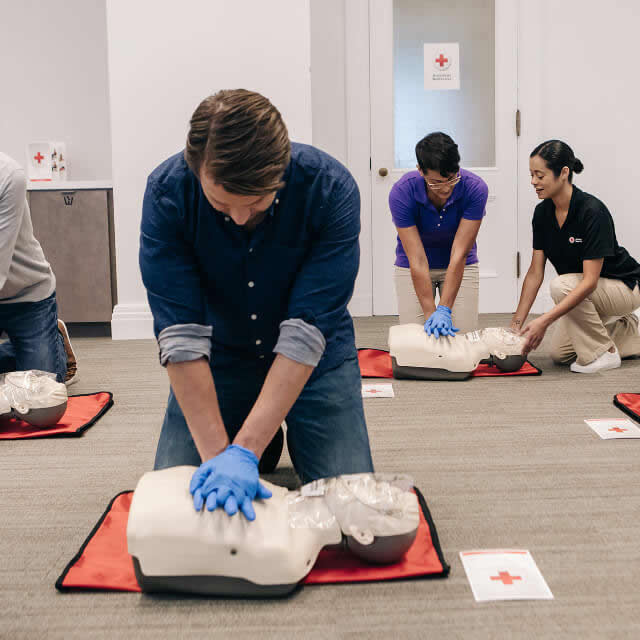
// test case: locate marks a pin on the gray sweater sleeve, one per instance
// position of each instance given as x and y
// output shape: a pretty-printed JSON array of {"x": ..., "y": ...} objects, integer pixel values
[
  {"x": 300, "y": 341},
  {"x": 184, "y": 342},
  {"x": 13, "y": 192}
]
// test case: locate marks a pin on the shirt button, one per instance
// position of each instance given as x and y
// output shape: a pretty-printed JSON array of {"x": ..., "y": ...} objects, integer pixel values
[
  {"x": 251, "y": 250},
  {"x": 262, "y": 357},
  {"x": 254, "y": 316},
  {"x": 440, "y": 217},
  {"x": 227, "y": 218},
  {"x": 277, "y": 200},
  {"x": 258, "y": 342},
  {"x": 438, "y": 224},
  {"x": 251, "y": 283}
]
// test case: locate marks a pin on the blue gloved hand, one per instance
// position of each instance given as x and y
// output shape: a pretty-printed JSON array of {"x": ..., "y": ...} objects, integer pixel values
[
  {"x": 439, "y": 323},
  {"x": 229, "y": 480}
]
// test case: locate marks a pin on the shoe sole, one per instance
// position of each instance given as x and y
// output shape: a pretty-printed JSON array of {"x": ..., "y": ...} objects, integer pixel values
[
  {"x": 607, "y": 368},
  {"x": 62, "y": 328}
]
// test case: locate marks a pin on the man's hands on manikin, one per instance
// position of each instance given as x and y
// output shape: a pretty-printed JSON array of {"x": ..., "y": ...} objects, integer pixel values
[
  {"x": 439, "y": 323},
  {"x": 229, "y": 480}
]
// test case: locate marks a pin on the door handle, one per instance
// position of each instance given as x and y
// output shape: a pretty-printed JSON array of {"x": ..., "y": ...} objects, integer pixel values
[{"x": 383, "y": 171}]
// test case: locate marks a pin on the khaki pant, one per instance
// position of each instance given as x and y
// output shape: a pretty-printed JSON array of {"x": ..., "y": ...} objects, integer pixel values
[
  {"x": 603, "y": 319},
  {"x": 465, "y": 308}
]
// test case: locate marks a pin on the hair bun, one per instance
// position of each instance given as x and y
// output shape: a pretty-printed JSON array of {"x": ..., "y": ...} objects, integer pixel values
[{"x": 577, "y": 166}]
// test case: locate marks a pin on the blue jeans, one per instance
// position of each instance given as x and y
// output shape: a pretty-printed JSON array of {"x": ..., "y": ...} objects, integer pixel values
[
  {"x": 326, "y": 430},
  {"x": 34, "y": 340}
]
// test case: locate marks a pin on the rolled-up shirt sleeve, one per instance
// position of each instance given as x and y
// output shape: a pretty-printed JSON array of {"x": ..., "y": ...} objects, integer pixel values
[
  {"x": 325, "y": 282},
  {"x": 183, "y": 342},
  {"x": 171, "y": 277}
]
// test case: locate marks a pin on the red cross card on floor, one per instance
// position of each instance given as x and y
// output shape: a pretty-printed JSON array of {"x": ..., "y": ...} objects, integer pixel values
[
  {"x": 614, "y": 428},
  {"x": 377, "y": 390},
  {"x": 504, "y": 574}
]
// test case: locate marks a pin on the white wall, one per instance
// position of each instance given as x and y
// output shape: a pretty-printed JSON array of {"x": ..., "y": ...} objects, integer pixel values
[
  {"x": 54, "y": 82},
  {"x": 578, "y": 82},
  {"x": 328, "y": 90},
  {"x": 340, "y": 107},
  {"x": 164, "y": 58}
]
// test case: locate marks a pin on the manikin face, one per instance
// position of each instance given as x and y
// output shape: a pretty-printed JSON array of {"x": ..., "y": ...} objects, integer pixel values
[
  {"x": 544, "y": 181},
  {"x": 241, "y": 209},
  {"x": 440, "y": 186}
]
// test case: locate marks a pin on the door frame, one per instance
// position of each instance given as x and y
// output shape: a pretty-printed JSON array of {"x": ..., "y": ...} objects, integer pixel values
[{"x": 359, "y": 149}]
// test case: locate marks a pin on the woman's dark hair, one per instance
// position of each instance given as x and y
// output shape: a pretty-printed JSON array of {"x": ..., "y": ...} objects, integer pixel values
[
  {"x": 558, "y": 154},
  {"x": 438, "y": 152}
]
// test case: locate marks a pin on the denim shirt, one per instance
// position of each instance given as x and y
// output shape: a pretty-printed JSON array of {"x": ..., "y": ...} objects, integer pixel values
[{"x": 218, "y": 291}]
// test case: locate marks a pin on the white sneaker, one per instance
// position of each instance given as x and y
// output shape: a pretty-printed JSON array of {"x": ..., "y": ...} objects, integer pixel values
[{"x": 608, "y": 360}]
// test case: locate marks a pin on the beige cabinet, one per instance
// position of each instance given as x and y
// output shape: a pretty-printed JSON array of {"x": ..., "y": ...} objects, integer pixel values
[{"x": 75, "y": 229}]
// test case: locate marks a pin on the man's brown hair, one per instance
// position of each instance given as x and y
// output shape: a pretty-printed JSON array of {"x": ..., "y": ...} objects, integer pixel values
[{"x": 240, "y": 140}]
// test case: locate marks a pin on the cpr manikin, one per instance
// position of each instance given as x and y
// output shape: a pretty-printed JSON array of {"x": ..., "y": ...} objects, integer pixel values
[
  {"x": 416, "y": 355},
  {"x": 32, "y": 396},
  {"x": 176, "y": 548}
]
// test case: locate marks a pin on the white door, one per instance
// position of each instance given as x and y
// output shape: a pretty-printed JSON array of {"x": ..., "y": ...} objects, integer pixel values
[{"x": 480, "y": 117}]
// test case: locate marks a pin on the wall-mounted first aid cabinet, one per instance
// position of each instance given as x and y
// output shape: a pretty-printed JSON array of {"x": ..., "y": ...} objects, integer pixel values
[{"x": 73, "y": 222}]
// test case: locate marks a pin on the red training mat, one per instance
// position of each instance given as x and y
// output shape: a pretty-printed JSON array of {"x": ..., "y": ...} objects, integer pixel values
[
  {"x": 629, "y": 403},
  {"x": 104, "y": 563},
  {"x": 83, "y": 411},
  {"x": 376, "y": 363}
]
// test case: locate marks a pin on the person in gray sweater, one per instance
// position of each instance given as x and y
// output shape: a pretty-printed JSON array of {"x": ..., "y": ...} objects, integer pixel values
[{"x": 37, "y": 339}]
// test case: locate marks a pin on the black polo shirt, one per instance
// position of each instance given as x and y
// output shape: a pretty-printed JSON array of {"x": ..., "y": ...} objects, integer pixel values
[{"x": 588, "y": 233}]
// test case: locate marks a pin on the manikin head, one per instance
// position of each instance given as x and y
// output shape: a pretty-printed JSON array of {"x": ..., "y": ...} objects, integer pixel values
[
  {"x": 238, "y": 147},
  {"x": 551, "y": 166}
]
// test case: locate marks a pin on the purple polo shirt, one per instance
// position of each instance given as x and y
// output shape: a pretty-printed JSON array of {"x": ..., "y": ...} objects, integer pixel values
[{"x": 411, "y": 207}]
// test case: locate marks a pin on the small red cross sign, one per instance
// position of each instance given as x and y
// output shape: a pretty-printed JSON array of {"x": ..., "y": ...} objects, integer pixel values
[
  {"x": 441, "y": 60},
  {"x": 505, "y": 577},
  {"x": 374, "y": 390},
  {"x": 618, "y": 429},
  {"x": 39, "y": 157}
]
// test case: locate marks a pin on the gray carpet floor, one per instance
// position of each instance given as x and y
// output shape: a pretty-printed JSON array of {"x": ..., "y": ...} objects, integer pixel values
[{"x": 502, "y": 462}]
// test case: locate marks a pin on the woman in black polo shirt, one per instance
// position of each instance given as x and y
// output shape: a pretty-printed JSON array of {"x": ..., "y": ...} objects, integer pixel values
[{"x": 597, "y": 288}]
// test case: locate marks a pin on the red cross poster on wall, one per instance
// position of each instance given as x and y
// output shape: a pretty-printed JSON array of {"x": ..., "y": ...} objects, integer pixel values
[
  {"x": 47, "y": 161},
  {"x": 441, "y": 66}
]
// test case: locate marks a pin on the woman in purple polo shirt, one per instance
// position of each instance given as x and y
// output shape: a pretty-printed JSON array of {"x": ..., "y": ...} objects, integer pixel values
[{"x": 437, "y": 211}]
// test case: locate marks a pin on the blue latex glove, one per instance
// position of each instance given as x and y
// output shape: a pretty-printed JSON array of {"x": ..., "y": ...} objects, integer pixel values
[
  {"x": 439, "y": 323},
  {"x": 229, "y": 480}
]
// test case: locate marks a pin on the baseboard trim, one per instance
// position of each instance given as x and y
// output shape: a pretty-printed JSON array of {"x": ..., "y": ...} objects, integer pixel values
[
  {"x": 132, "y": 322},
  {"x": 361, "y": 305}
]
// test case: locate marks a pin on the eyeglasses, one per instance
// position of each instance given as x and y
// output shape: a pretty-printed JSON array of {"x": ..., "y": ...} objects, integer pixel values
[{"x": 441, "y": 185}]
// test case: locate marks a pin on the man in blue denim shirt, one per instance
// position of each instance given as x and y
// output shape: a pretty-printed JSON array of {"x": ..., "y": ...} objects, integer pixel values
[{"x": 249, "y": 253}]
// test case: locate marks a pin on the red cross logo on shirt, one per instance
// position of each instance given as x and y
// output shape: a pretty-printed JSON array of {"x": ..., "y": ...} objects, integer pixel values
[
  {"x": 39, "y": 157},
  {"x": 505, "y": 577}
]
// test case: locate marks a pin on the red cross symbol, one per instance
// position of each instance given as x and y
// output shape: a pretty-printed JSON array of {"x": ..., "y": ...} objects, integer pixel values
[
  {"x": 374, "y": 390},
  {"x": 505, "y": 577},
  {"x": 441, "y": 60},
  {"x": 39, "y": 157},
  {"x": 618, "y": 429}
]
